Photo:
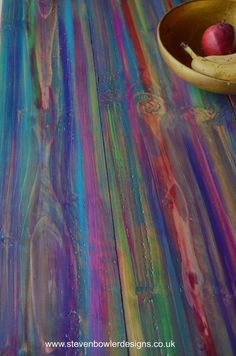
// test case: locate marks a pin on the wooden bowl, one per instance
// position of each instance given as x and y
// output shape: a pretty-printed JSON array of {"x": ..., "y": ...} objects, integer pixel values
[{"x": 186, "y": 23}]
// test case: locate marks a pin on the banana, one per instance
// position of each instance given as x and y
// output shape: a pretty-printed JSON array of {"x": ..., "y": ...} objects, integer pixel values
[
  {"x": 214, "y": 70},
  {"x": 218, "y": 70},
  {"x": 223, "y": 59},
  {"x": 188, "y": 50}
]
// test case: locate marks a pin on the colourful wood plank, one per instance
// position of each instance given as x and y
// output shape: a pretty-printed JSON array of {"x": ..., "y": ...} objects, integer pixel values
[
  {"x": 117, "y": 188},
  {"x": 59, "y": 275}
]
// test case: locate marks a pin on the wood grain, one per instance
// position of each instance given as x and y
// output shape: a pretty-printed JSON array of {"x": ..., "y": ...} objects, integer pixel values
[{"x": 117, "y": 187}]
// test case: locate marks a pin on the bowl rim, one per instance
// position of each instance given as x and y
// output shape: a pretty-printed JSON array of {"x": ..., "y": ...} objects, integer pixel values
[{"x": 176, "y": 61}]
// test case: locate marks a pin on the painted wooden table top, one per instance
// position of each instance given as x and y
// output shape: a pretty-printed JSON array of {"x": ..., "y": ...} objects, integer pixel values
[{"x": 117, "y": 188}]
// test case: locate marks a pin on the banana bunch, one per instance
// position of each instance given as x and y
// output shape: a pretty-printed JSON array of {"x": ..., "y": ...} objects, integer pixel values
[{"x": 219, "y": 67}]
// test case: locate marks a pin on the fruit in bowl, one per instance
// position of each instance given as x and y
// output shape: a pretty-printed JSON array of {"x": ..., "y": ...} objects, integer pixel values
[
  {"x": 218, "y": 44},
  {"x": 187, "y": 22},
  {"x": 218, "y": 39}
]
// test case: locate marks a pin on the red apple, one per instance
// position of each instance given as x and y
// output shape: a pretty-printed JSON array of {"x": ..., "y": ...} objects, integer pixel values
[{"x": 218, "y": 39}]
